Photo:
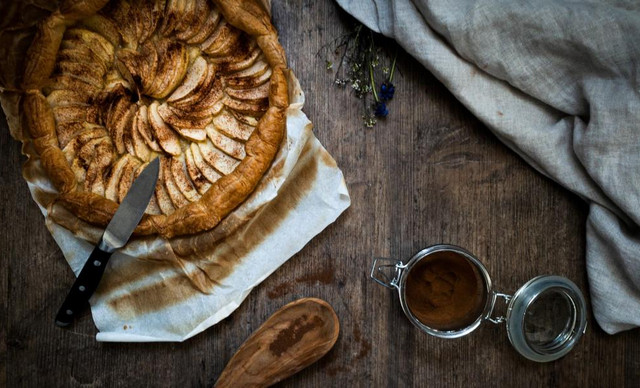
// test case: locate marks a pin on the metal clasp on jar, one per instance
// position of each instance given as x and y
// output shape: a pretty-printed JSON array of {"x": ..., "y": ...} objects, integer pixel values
[
  {"x": 494, "y": 299},
  {"x": 390, "y": 282}
]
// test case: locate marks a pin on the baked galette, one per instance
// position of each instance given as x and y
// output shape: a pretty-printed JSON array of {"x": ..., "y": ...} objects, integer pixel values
[{"x": 111, "y": 85}]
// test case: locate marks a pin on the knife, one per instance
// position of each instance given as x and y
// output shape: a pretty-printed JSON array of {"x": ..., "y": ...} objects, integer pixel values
[{"x": 115, "y": 236}]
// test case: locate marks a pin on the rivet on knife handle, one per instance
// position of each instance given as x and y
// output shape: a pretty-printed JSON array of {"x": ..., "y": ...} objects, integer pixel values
[{"x": 84, "y": 286}]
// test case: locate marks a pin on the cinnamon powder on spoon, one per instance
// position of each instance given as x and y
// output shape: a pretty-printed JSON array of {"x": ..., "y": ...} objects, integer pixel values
[{"x": 445, "y": 291}]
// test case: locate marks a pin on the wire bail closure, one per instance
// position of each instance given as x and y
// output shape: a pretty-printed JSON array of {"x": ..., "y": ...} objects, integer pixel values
[
  {"x": 385, "y": 280},
  {"x": 494, "y": 298}
]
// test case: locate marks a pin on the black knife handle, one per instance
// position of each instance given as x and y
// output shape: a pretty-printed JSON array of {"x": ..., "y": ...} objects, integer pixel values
[{"x": 84, "y": 286}]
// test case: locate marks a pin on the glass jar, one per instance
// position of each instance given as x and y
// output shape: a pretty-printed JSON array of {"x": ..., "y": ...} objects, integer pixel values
[{"x": 544, "y": 318}]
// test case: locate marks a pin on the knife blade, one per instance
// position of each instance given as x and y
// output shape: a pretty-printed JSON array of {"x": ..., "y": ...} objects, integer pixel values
[{"x": 115, "y": 236}]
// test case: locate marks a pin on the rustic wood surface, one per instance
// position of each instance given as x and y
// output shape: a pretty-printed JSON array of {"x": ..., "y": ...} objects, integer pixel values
[{"x": 431, "y": 173}]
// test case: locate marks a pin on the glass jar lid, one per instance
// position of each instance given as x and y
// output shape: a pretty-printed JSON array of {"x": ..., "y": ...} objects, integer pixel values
[{"x": 546, "y": 317}]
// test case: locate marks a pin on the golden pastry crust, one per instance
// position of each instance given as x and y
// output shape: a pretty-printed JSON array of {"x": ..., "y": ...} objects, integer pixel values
[{"x": 199, "y": 84}]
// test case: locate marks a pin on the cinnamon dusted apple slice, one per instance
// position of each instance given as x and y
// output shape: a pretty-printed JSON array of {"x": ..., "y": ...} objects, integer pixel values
[
  {"x": 138, "y": 143},
  {"x": 200, "y": 182},
  {"x": 207, "y": 171},
  {"x": 239, "y": 60},
  {"x": 96, "y": 43},
  {"x": 147, "y": 14},
  {"x": 219, "y": 33},
  {"x": 217, "y": 159},
  {"x": 203, "y": 96},
  {"x": 86, "y": 153},
  {"x": 209, "y": 102},
  {"x": 254, "y": 95},
  {"x": 99, "y": 165},
  {"x": 119, "y": 13},
  {"x": 258, "y": 68},
  {"x": 247, "y": 108},
  {"x": 238, "y": 82},
  {"x": 200, "y": 14},
  {"x": 207, "y": 28},
  {"x": 113, "y": 179},
  {"x": 119, "y": 130},
  {"x": 153, "y": 207},
  {"x": 193, "y": 81},
  {"x": 222, "y": 41},
  {"x": 226, "y": 123},
  {"x": 186, "y": 123},
  {"x": 173, "y": 12},
  {"x": 217, "y": 108},
  {"x": 179, "y": 174},
  {"x": 202, "y": 116},
  {"x": 249, "y": 120},
  {"x": 126, "y": 178},
  {"x": 229, "y": 146},
  {"x": 82, "y": 54},
  {"x": 162, "y": 197},
  {"x": 80, "y": 162},
  {"x": 171, "y": 69},
  {"x": 66, "y": 98},
  {"x": 248, "y": 82},
  {"x": 133, "y": 61},
  {"x": 128, "y": 138},
  {"x": 119, "y": 119},
  {"x": 90, "y": 132},
  {"x": 114, "y": 81},
  {"x": 144, "y": 128},
  {"x": 183, "y": 125},
  {"x": 103, "y": 26},
  {"x": 177, "y": 198},
  {"x": 68, "y": 131},
  {"x": 235, "y": 41},
  {"x": 193, "y": 117},
  {"x": 87, "y": 72},
  {"x": 195, "y": 134},
  {"x": 149, "y": 65},
  {"x": 188, "y": 17},
  {"x": 74, "y": 113},
  {"x": 142, "y": 64},
  {"x": 165, "y": 136},
  {"x": 67, "y": 82}
]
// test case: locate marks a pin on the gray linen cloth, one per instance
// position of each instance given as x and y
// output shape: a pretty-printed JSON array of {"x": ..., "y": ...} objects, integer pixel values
[{"x": 559, "y": 83}]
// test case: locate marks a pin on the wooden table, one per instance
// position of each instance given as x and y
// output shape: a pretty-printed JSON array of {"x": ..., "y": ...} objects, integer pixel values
[{"x": 431, "y": 173}]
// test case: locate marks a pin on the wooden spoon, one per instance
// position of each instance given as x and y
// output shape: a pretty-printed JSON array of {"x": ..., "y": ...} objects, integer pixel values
[{"x": 293, "y": 338}]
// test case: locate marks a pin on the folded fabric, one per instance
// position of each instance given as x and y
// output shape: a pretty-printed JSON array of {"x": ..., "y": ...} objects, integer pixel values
[{"x": 559, "y": 83}]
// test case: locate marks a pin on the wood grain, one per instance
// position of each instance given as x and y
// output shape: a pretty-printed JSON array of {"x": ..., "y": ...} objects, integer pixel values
[
  {"x": 294, "y": 337},
  {"x": 431, "y": 173}
]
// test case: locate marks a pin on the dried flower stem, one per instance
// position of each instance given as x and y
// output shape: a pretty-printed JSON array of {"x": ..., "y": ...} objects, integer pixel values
[
  {"x": 393, "y": 66},
  {"x": 373, "y": 85}
]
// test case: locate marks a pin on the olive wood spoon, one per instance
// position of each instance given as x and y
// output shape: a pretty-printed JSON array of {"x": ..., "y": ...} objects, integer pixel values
[{"x": 293, "y": 338}]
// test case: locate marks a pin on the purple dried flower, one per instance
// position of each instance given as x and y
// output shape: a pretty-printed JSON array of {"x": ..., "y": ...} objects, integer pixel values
[
  {"x": 386, "y": 91},
  {"x": 381, "y": 109}
]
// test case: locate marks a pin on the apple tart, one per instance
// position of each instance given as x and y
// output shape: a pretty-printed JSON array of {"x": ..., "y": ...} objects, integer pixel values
[{"x": 109, "y": 86}]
